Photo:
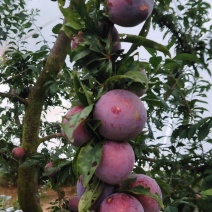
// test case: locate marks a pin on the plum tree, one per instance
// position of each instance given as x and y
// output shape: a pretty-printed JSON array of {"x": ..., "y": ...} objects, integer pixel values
[
  {"x": 121, "y": 202},
  {"x": 73, "y": 204},
  {"x": 80, "y": 135},
  {"x": 51, "y": 80},
  {"x": 129, "y": 13},
  {"x": 117, "y": 162},
  {"x": 18, "y": 152},
  {"x": 149, "y": 204},
  {"x": 122, "y": 115}
]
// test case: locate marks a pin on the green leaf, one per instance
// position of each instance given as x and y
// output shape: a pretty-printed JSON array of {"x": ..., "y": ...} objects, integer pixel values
[
  {"x": 170, "y": 209},
  {"x": 146, "y": 43},
  {"x": 135, "y": 76},
  {"x": 92, "y": 192},
  {"x": 154, "y": 100},
  {"x": 144, "y": 31},
  {"x": 56, "y": 29},
  {"x": 206, "y": 193},
  {"x": 155, "y": 62},
  {"x": 164, "y": 185},
  {"x": 140, "y": 190},
  {"x": 82, "y": 92},
  {"x": 81, "y": 8},
  {"x": 75, "y": 120},
  {"x": 204, "y": 130},
  {"x": 73, "y": 19},
  {"x": 188, "y": 57},
  {"x": 88, "y": 159},
  {"x": 35, "y": 35}
]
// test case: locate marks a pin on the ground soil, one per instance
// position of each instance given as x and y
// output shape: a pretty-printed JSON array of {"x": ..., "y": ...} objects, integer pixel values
[{"x": 47, "y": 196}]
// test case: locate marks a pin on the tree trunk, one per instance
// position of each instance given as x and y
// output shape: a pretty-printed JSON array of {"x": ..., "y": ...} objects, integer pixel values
[{"x": 28, "y": 195}]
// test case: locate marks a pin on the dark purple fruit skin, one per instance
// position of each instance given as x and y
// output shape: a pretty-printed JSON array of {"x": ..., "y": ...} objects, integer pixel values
[
  {"x": 80, "y": 135},
  {"x": 73, "y": 204},
  {"x": 149, "y": 204},
  {"x": 122, "y": 115},
  {"x": 117, "y": 162},
  {"x": 18, "y": 152},
  {"x": 129, "y": 13},
  {"x": 121, "y": 202}
]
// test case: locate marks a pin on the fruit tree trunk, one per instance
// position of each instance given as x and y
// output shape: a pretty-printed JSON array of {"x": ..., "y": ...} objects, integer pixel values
[{"x": 28, "y": 195}]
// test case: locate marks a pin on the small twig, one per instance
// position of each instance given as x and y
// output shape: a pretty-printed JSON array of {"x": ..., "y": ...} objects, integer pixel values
[
  {"x": 48, "y": 137},
  {"x": 14, "y": 96}
]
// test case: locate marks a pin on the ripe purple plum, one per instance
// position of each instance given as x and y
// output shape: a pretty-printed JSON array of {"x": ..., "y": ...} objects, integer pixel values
[
  {"x": 73, "y": 204},
  {"x": 18, "y": 152},
  {"x": 149, "y": 204},
  {"x": 121, "y": 202},
  {"x": 136, "y": 87},
  {"x": 117, "y": 162},
  {"x": 122, "y": 115},
  {"x": 80, "y": 135},
  {"x": 129, "y": 13}
]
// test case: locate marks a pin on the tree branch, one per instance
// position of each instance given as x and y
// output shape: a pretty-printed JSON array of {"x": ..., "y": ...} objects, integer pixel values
[
  {"x": 13, "y": 97},
  {"x": 200, "y": 168},
  {"x": 48, "y": 137},
  {"x": 37, "y": 95}
]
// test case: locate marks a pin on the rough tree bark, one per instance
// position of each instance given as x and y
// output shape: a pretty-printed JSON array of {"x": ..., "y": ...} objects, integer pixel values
[{"x": 28, "y": 195}]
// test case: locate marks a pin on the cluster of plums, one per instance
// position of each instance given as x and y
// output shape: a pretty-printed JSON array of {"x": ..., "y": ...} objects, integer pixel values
[{"x": 123, "y": 117}]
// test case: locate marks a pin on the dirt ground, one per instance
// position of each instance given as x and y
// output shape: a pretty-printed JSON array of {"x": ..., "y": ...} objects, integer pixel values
[{"x": 47, "y": 196}]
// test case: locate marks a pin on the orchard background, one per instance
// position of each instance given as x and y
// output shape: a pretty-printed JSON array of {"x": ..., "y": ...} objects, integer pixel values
[{"x": 33, "y": 81}]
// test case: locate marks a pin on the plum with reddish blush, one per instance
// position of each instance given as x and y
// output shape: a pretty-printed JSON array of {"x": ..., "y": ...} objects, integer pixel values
[
  {"x": 149, "y": 204},
  {"x": 129, "y": 13},
  {"x": 18, "y": 152},
  {"x": 122, "y": 115},
  {"x": 73, "y": 204},
  {"x": 121, "y": 202},
  {"x": 117, "y": 162},
  {"x": 80, "y": 134}
]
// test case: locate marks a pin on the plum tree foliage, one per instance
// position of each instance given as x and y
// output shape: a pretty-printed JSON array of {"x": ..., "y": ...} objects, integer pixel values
[{"x": 175, "y": 98}]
